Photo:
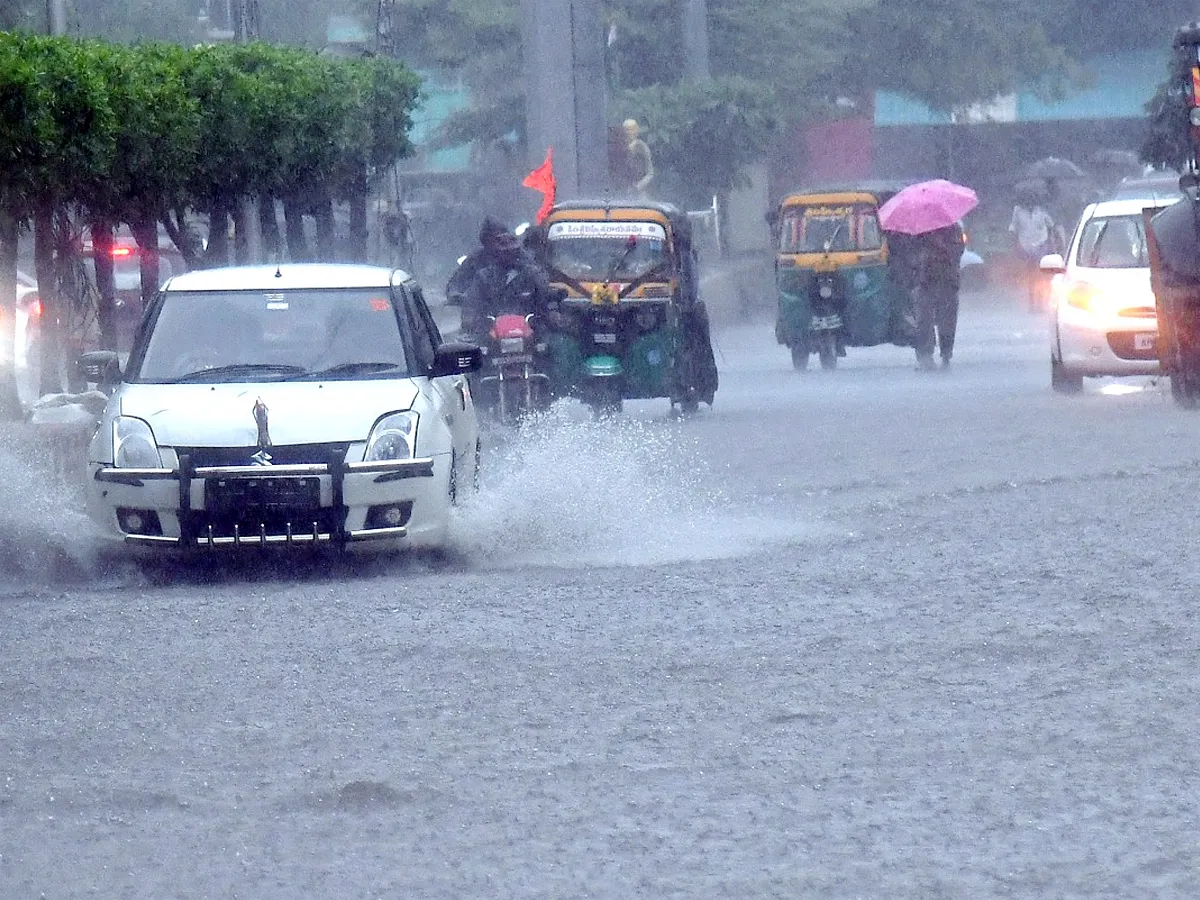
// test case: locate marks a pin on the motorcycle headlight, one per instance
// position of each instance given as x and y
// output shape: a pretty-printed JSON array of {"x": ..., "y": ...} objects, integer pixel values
[
  {"x": 134, "y": 446},
  {"x": 393, "y": 437}
]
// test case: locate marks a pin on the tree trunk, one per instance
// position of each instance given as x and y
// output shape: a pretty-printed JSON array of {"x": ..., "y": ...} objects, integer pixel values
[
  {"x": 357, "y": 251},
  {"x": 218, "y": 235},
  {"x": 293, "y": 223},
  {"x": 268, "y": 226},
  {"x": 183, "y": 238},
  {"x": 53, "y": 313},
  {"x": 326, "y": 233},
  {"x": 10, "y": 398},
  {"x": 241, "y": 243},
  {"x": 106, "y": 284},
  {"x": 145, "y": 232}
]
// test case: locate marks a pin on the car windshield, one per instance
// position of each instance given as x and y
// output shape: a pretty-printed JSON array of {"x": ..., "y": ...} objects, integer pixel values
[
  {"x": 1113, "y": 242},
  {"x": 227, "y": 336},
  {"x": 592, "y": 251},
  {"x": 845, "y": 227}
]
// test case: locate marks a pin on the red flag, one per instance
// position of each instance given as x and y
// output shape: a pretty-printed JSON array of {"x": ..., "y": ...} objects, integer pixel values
[{"x": 542, "y": 179}]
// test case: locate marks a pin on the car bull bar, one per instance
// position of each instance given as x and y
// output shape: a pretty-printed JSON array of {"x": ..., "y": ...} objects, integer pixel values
[{"x": 309, "y": 531}]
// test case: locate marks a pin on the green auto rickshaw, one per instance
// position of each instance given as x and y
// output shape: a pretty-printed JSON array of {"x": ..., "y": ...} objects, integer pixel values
[
  {"x": 835, "y": 285},
  {"x": 627, "y": 321}
]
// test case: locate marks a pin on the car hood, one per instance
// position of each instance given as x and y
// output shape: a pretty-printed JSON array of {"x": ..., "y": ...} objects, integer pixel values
[{"x": 222, "y": 415}]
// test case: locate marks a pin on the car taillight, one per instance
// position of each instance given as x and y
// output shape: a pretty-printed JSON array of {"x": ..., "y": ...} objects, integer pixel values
[
  {"x": 34, "y": 309},
  {"x": 121, "y": 252}
]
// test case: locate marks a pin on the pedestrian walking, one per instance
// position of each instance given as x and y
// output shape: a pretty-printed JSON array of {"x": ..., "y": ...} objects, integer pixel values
[
  {"x": 936, "y": 295},
  {"x": 1033, "y": 229}
]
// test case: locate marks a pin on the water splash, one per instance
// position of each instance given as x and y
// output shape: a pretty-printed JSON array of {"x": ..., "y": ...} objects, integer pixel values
[
  {"x": 45, "y": 537},
  {"x": 623, "y": 491}
]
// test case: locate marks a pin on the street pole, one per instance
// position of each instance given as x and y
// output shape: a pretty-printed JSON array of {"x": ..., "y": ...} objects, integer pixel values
[
  {"x": 695, "y": 39},
  {"x": 246, "y": 29},
  {"x": 56, "y": 16},
  {"x": 566, "y": 92}
]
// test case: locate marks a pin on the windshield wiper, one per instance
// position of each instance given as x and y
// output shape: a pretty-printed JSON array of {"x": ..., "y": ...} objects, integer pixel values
[
  {"x": 351, "y": 370},
  {"x": 235, "y": 369}
]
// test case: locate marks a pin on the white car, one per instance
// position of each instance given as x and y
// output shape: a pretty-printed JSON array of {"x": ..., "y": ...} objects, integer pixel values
[
  {"x": 1104, "y": 321},
  {"x": 289, "y": 405}
]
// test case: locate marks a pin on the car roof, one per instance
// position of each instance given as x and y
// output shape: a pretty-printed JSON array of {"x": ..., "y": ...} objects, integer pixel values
[
  {"x": 1162, "y": 189},
  {"x": 1132, "y": 206},
  {"x": 287, "y": 276}
]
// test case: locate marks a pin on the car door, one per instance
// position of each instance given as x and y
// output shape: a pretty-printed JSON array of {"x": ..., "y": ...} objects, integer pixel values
[{"x": 451, "y": 392}]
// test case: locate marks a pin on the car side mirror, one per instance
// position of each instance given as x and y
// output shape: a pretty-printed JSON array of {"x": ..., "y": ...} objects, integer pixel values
[
  {"x": 99, "y": 367},
  {"x": 1053, "y": 263},
  {"x": 456, "y": 358}
]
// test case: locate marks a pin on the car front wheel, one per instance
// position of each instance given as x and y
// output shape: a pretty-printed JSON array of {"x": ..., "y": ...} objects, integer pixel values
[{"x": 1062, "y": 381}]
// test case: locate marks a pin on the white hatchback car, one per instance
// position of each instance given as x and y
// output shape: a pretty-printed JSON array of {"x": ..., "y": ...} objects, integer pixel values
[
  {"x": 1104, "y": 320},
  {"x": 289, "y": 405}
]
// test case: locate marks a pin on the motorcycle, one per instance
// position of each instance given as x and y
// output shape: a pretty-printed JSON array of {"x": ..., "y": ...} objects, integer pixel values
[{"x": 512, "y": 385}]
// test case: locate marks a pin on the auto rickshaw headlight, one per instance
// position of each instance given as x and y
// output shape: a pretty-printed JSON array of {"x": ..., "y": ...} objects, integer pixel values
[{"x": 825, "y": 290}]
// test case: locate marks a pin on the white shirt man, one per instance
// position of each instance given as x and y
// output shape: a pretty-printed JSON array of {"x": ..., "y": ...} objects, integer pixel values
[{"x": 1033, "y": 227}]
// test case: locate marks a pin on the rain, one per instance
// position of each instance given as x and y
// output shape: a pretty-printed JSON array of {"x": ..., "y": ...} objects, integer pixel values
[{"x": 906, "y": 611}]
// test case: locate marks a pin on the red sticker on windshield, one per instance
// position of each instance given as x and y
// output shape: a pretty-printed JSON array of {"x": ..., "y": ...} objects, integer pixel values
[{"x": 380, "y": 304}]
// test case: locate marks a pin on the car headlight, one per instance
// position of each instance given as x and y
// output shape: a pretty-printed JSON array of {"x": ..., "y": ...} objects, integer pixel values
[
  {"x": 393, "y": 437},
  {"x": 134, "y": 446}
]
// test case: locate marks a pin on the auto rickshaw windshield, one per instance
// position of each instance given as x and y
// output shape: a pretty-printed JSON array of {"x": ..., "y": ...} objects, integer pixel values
[
  {"x": 591, "y": 251},
  {"x": 834, "y": 228}
]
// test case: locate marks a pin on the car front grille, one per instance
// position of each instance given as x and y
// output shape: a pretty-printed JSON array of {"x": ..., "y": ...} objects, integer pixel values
[{"x": 282, "y": 455}]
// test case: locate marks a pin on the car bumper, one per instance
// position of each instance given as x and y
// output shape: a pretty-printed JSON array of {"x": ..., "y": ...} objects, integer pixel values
[
  {"x": 1118, "y": 347},
  {"x": 404, "y": 501}
]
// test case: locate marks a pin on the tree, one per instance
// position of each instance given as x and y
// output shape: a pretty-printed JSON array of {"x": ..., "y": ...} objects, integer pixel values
[
  {"x": 75, "y": 143},
  {"x": 157, "y": 143},
  {"x": 704, "y": 134},
  {"x": 1167, "y": 143},
  {"x": 951, "y": 54}
]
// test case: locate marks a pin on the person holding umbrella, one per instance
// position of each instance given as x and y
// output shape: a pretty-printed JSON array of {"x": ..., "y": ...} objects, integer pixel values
[{"x": 931, "y": 211}]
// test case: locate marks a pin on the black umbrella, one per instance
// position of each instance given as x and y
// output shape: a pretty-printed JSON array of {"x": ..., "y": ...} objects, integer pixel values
[{"x": 1051, "y": 167}]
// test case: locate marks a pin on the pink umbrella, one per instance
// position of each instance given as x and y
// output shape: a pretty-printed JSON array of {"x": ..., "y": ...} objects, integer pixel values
[{"x": 927, "y": 206}]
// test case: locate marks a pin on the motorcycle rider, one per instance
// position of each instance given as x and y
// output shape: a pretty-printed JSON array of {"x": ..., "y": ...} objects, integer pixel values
[{"x": 499, "y": 277}]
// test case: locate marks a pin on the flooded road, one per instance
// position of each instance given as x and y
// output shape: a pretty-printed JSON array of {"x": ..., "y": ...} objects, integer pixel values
[{"x": 863, "y": 633}]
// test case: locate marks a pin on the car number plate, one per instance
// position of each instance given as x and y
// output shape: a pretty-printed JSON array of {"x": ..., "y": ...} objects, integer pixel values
[
  {"x": 604, "y": 338},
  {"x": 1144, "y": 341},
  {"x": 223, "y": 495},
  {"x": 825, "y": 323}
]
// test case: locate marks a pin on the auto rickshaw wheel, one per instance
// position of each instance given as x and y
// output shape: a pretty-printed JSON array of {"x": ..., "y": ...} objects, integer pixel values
[
  {"x": 827, "y": 350},
  {"x": 799, "y": 358}
]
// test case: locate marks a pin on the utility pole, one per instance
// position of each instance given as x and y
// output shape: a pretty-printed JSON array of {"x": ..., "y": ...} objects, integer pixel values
[
  {"x": 246, "y": 29},
  {"x": 695, "y": 39},
  {"x": 566, "y": 92},
  {"x": 246, "y": 26},
  {"x": 56, "y": 16},
  {"x": 385, "y": 43}
]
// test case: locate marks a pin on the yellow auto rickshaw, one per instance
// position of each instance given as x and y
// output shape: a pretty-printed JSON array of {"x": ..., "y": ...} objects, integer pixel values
[
  {"x": 627, "y": 321},
  {"x": 835, "y": 286}
]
